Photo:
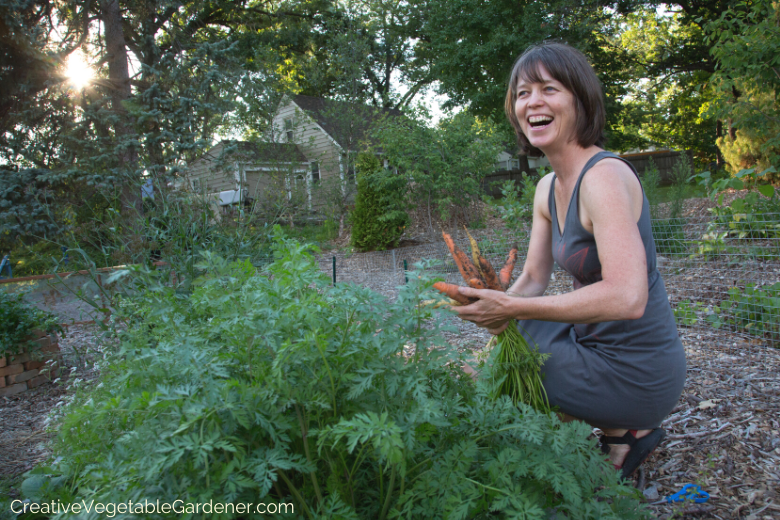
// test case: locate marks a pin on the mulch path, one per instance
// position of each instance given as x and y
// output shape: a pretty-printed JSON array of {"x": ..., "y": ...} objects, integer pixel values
[
  {"x": 724, "y": 434},
  {"x": 24, "y": 431}
]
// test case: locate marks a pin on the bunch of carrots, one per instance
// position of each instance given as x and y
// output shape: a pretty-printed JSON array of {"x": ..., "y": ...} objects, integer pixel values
[{"x": 516, "y": 361}]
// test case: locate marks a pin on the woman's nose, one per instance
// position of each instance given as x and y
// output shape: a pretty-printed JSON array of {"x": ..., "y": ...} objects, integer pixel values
[{"x": 534, "y": 97}]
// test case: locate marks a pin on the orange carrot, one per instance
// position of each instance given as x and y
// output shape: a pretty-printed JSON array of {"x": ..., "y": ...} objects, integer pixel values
[
  {"x": 451, "y": 290},
  {"x": 505, "y": 276},
  {"x": 491, "y": 280},
  {"x": 466, "y": 268},
  {"x": 475, "y": 253},
  {"x": 476, "y": 283}
]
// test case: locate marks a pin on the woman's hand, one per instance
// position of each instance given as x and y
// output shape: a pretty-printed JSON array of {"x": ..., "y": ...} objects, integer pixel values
[{"x": 493, "y": 311}]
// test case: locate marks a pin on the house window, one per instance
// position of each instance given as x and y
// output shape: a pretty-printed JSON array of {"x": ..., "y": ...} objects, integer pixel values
[
  {"x": 288, "y": 129},
  {"x": 315, "y": 171}
]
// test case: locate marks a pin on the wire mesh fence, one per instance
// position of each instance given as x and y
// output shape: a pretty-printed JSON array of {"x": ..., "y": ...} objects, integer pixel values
[{"x": 722, "y": 275}]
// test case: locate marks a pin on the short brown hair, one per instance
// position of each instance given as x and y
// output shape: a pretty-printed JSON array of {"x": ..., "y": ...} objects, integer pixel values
[{"x": 571, "y": 68}]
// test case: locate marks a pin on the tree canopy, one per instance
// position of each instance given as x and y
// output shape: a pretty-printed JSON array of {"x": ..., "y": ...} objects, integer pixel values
[{"x": 172, "y": 75}]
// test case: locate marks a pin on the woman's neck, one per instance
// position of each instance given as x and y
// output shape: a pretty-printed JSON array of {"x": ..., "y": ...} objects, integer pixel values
[{"x": 568, "y": 161}]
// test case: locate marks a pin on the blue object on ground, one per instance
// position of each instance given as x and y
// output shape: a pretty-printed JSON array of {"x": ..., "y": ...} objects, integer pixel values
[
  {"x": 691, "y": 492},
  {"x": 6, "y": 265}
]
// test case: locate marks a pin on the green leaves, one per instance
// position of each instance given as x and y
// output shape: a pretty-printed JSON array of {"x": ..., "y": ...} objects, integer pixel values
[
  {"x": 19, "y": 320},
  {"x": 443, "y": 165},
  {"x": 379, "y": 217},
  {"x": 377, "y": 430},
  {"x": 225, "y": 392},
  {"x": 745, "y": 40}
]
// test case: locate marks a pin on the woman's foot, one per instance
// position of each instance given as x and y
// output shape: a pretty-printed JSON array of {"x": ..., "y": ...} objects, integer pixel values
[
  {"x": 619, "y": 452},
  {"x": 629, "y": 451},
  {"x": 468, "y": 369}
]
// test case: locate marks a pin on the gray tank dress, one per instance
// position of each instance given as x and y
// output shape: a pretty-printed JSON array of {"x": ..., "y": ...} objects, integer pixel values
[{"x": 615, "y": 374}]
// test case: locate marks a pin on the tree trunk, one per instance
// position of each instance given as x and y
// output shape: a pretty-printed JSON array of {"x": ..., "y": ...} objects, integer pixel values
[
  {"x": 430, "y": 219},
  {"x": 119, "y": 81}
]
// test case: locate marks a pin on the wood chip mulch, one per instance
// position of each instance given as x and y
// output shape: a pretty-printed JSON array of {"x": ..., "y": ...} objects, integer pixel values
[{"x": 724, "y": 435}]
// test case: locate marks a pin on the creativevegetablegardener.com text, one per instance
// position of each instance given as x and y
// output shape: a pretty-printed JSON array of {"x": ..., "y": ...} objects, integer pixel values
[{"x": 177, "y": 507}]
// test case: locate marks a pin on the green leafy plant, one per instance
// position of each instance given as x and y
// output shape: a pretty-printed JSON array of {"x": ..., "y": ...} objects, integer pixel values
[
  {"x": 686, "y": 312},
  {"x": 745, "y": 40},
  {"x": 516, "y": 205},
  {"x": 712, "y": 244},
  {"x": 756, "y": 216},
  {"x": 651, "y": 183},
  {"x": 19, "y": 320},
  {"x": 443, "y": 163},
  {"x": 278, "y": 387},
  {"x": 754, "y": 309},
  {"x": 682, "y": 173}
]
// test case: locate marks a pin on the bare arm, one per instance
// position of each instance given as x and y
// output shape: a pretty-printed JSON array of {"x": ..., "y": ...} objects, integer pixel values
[
  {"x": 538, "y": 264},
  {"x": 608, "y": 197}
]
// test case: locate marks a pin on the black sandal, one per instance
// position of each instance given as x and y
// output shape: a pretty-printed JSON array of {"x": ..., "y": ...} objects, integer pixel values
[{"x": 640, "y": 448}]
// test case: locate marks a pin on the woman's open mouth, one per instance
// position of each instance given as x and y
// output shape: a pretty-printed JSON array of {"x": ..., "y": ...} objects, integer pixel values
[{"x": 539, "y": 122}]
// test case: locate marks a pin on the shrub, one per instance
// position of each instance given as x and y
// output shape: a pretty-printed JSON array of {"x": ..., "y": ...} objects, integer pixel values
[
  {"x": 651, "y": 182},
  {"x": 280, "y": 388},
  {"x": 19, "y": 320},
  {"x": 377, "y": 220},
  {"x": 516, "y": 205},
  {"x": 681, "y": 174}
]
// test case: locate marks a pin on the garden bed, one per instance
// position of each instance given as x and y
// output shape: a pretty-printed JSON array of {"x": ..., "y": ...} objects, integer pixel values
[{"x": 724, "y": 434}]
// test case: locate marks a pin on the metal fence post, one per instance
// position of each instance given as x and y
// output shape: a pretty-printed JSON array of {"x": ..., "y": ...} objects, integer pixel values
[
  {"x": 334, "y": 270},
  {"x": 406, "y": 268}
]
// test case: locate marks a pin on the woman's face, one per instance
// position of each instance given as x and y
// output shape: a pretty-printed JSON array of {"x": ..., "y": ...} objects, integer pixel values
[{"x": 546, "y": 112}]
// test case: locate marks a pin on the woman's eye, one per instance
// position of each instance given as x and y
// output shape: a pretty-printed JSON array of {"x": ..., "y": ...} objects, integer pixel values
[{"x": 521, "y": 93}]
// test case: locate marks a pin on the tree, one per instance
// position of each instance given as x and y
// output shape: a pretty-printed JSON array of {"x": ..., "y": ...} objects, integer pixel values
[
  {"x": 122, "y": 129},
  {"x": 746, "y": 43},
  {"x": 443, "y": 164},
  {"x": 664, "y": 102},
  {"x": 377, "y": 220},
  {"x": 475, "y": 52}
]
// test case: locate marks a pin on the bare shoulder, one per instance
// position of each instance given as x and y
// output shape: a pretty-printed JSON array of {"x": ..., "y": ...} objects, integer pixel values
[
  {"x": 542, "y": 194},
  {"x": 611, "y": 176}
]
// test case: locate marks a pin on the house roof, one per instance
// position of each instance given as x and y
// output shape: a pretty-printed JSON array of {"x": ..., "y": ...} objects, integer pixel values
[
  {"x": 347, "y": 123},
  {"x": 258, "y": 151}
]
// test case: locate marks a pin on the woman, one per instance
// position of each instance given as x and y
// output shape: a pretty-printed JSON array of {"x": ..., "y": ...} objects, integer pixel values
[{"x": 621, "y": 366}]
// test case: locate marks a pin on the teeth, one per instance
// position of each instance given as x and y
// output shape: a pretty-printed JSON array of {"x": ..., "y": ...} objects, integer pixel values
[{"x": 539, "y": 119}]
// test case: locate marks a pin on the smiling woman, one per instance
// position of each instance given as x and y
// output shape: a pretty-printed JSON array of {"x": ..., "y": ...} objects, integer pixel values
[
  {"x": 615, "y": 358},
  {"x": 78, "y": 71}
]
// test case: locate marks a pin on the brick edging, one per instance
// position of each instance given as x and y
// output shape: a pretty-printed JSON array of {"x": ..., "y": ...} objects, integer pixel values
[{"x": 20, "y": 373}]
